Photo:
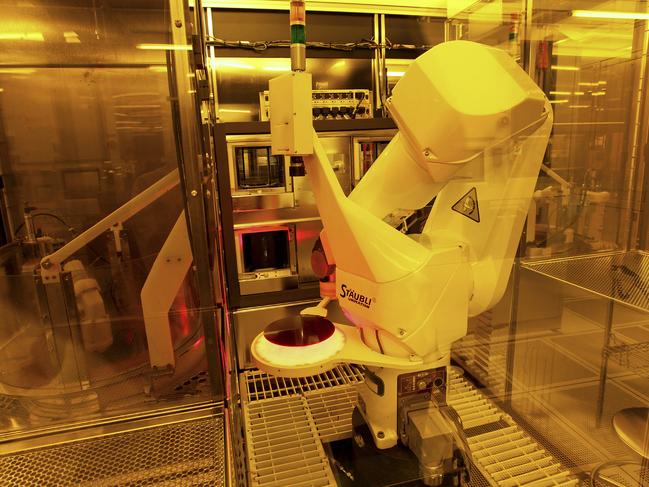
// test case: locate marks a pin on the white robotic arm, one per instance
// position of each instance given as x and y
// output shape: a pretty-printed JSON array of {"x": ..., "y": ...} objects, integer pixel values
[{"x": 473, "y": 129}]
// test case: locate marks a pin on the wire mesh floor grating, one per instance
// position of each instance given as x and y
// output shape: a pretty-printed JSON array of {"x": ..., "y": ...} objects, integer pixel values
[
  {"x": 287, "y": 420},
  {"x": 188, "y": 453}
]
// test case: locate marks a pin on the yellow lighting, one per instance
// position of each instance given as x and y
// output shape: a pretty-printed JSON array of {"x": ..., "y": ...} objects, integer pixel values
[
  {"x": 22, "y": 36},
  {"x": 220, "y": 63},
  {"x": 598, "y": 93},
  {"x": 578, "y": 106},
  {"x": 276, "y": 68},
  {"x": 585, "y": 83},
  {"x": 561, "y": 92},
  {"x": 558, "y": 101},
  {"x": 158, "y": 69},
  {"x": 137, "y": 107},
  {"x": 164, "y": 47},
  {"x": 396, "y": 74},
  {"x": 606, "y": 14},
  {"x": 71, "y": 37},
  {"x": 565, "y": 68},
  {"x": 17, "y": 71},
  {"x": 1, "y": 90},
  {"x": 233, "y": 110}
]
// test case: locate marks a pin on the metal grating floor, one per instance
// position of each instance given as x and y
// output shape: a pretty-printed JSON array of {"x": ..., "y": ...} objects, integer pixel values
[
  {"x": 621, "y": 276},
  {"x": 177, "y": 454},
  {"x": 282, "y": 414},
  {"x": 283, "y": 445},
  {"x": 259, "y": 385},
  {"x": 322, "y": 406},
  {"x": 504, "y": 453}
]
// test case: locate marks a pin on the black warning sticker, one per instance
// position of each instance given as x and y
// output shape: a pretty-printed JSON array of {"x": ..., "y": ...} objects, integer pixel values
[
  {"x": 422, "y": 381},
  {"x": 467, "y": 205}
]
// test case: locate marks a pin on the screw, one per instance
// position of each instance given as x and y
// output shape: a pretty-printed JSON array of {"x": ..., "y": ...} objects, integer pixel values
[
  {"x": 46, "y": 264},
  {"x": 380, "y": 435},
  {"x": 402, "y": 332},
  {"x": 428, "y": 154},
  {"x": 194, "y": 192},
  {"x": 178, "y": 23}
]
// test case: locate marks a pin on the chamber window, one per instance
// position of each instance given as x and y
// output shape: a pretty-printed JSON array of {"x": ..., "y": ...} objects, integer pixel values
[
  {"x": 265, "y": 250},
  {"x": 257, "y": 168}
]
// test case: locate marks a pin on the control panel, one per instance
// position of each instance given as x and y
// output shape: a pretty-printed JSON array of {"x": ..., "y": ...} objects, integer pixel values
[{"x": 330, "y": 104}]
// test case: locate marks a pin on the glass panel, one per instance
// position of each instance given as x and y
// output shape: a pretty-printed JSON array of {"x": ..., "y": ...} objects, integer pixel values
[
  {"x": 87, "y": 127},
  {"x": 241, "y": 80},
  {"x": 257, "y": 168},
  {"x": 566, "y": 348}
]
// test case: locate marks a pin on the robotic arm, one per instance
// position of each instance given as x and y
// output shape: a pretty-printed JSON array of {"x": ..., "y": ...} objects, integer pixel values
[{"x": 473, "y": 129}]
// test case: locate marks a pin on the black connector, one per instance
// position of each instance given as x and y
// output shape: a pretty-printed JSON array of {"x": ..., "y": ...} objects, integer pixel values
[{"x": 296, "y": 167}]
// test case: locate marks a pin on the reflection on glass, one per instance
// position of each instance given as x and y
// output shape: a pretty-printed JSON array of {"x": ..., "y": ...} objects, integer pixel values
[
  {"x": 257, "y": 168},
  {"x": 86, "y": 125},
  {"x": 567, "y": 349}
]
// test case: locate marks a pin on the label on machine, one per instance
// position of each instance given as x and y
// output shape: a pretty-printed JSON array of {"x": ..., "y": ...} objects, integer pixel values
[{"x": 431, "y": 382}]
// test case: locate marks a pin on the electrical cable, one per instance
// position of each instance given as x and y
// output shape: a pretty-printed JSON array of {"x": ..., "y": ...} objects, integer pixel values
[
  {"x": 68, "y": 228},
  {"x": 378, "y": 341},
  {"x": 260, "y": 46},
  {"x": 51, "y": 215}
]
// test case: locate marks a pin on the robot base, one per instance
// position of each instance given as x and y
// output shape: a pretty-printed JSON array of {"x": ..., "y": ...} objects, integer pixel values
[{"x": 357, "y": 462}]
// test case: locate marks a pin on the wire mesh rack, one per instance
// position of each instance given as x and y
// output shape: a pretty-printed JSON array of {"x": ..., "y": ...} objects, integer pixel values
[
  {"x": 620, "y": 276},
  {"x": 189, "y": 453},
  {"x": 258, "y": 385}
]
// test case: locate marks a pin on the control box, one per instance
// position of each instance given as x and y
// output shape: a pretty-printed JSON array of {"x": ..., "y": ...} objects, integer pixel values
[
  {"x": 291, "y": 129},
  {"x": 329, "y": 104}
]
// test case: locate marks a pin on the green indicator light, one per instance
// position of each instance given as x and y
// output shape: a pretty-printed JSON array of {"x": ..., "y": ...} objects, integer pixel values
[{"x": 298, "y": 34}]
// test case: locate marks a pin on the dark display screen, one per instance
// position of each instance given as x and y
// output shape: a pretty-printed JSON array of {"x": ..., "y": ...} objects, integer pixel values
[
  {"x": 299, "y": 331},
  {"x": 257, "y": 168},
  {"x": 265, "y": 250}
]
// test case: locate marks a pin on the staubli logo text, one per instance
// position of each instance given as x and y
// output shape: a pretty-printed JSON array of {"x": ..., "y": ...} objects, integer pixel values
[{"x": 355, "y": 297}]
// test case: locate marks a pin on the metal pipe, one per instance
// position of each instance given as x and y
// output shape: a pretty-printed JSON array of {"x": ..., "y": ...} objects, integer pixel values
[
  {"x": 124, "y": 212},
  {"x": 29, "y": 225}
]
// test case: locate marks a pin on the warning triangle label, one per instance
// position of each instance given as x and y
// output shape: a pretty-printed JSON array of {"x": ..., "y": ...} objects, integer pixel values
[{"x": 468, "y": 205}]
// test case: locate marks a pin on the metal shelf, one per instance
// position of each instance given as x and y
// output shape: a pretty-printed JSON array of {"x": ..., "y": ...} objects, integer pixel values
[
  {"x": 620, "y": 276},
  {"x": 633, "y": 356}
]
